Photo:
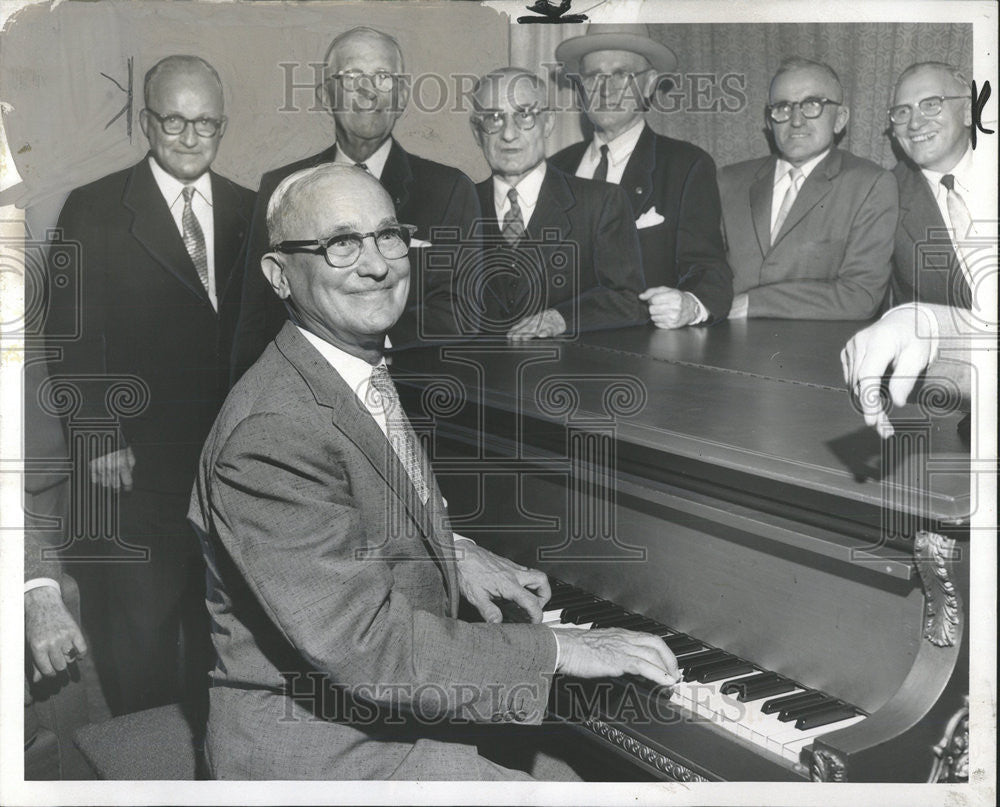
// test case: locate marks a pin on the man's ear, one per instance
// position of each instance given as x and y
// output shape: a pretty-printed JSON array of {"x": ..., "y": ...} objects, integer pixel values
[
  {"x": 144, "y": 122},
  {"x": 274, "y": 272},
  {"x": 222, "y": 126},
  {"x": 843, "y": 115},
  {"x": 548, "y": 123}
]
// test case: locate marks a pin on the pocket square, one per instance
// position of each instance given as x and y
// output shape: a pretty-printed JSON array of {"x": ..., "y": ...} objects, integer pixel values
[
  {"x": 648, "y": 219},
  {"x": 416, "y": 242}
]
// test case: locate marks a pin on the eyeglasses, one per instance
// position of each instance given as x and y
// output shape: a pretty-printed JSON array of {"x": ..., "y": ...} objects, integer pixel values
[
  {"x": 929, "y": 107},
  {"x": 781, "y": 112},
  {"x": 176, "y": 124},
  {"x": 492, "y": 121},
  {"x": 344, "y": 249},
  {"x": 617, "y": 80},
  {"x": 381, "y": 80}
]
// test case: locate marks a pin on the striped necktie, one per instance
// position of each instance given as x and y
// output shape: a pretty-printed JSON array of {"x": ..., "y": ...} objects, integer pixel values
[
  {"x": 402, "y": 438},
  {"x": 194, "y": 238}
]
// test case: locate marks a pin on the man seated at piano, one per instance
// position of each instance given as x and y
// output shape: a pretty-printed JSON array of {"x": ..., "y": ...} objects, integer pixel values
[
  {"x": 911, "y": 342},
  {"x": 333, "y": 576},
  {"x": 808, "y": 230},
  {"x": 560, "y": 254}
]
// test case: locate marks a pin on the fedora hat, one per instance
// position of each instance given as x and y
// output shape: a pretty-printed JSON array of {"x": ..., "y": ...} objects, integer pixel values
[{"x": 631, "y": 38}]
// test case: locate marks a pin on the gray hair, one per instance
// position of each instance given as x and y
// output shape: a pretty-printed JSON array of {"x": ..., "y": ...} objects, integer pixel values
[
  {"x": 949, "y": 69},
  {"x": 362, "y": 30},
  {"x": 513, "y": 74},
  {"x": 801, "y": 63}
]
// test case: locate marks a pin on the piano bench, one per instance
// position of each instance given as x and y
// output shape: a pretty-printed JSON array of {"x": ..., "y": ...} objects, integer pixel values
[{"x": 154, "y": 744}]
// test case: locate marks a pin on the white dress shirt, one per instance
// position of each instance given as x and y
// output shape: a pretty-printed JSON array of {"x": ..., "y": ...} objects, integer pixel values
[
  {"x": 527, "y": 194},
  {"x": 201, "y": 204},
  {"x": 375, "y": 164},
  {"x": 619, "y": 151}
]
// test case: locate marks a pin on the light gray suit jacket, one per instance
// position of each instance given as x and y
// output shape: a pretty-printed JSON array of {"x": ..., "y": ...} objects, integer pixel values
[
  {"x": 831, "y": 258},
  {"x": 333, "y": 594}
]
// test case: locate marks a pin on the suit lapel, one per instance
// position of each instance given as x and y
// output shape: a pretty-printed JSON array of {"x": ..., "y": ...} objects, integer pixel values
[
  {"x": 818, "y": 184},
  {"x": 397, "y": 175},
  {"x": 154, "y": 228},
  {"x": 230, "y": 232},
  {"x": 761, "y": 191},
  {"x": 349, "y": 417},
  {"x": 555, "y": 199},
  {"x": 637, "y": 180}
]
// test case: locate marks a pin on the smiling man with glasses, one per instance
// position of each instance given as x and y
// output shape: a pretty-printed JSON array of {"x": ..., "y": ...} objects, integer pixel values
[
  {"x": 366, "y": 89},
  {"x": 161, "y": 247},
  {"x": 808, "y": 230},
  {"x": 671, "y": 184},
  {"x": 942, "y": 190},
  {"x": 561, "y": 253}
]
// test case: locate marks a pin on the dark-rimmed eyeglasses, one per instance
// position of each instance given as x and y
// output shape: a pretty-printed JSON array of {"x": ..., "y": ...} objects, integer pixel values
[
  {"x": 344, "y": 249},
  {"x": 812, "y": 107},
  {"x": 930, "y": 107},
  {"x": 176, "y": 124},
  {"x": 492, "y": 121},
  {"x": 616, "y": 80},
  {"x": 380, "y": 80}
]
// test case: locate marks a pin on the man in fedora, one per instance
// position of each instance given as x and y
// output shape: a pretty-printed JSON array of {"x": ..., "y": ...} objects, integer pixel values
[{"x": 670, "y": 183}]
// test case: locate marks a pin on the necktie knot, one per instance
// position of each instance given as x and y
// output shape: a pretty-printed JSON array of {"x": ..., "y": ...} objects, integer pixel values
[
  {"x": 362, "y": 166},
  {"x": 948, "y": 180},
  {"x": 512, "y": 196},
  {"x": 513, "y": 222},
  {"x": 188, "y": 193}
]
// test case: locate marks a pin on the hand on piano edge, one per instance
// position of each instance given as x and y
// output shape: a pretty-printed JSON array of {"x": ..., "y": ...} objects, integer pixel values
[
  {"x": 613, "y": 652},
  {"x": 486, "y": 579}
]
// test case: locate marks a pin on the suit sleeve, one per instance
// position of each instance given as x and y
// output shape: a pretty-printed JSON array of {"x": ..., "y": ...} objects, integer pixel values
[
  {"x": 701, "y": 257},
  {"x": 613, "y": 300},
  {"x": 284, "y": 510},
  {"x": 261, "y": 311},
  {"x": 860, "y": 285}
]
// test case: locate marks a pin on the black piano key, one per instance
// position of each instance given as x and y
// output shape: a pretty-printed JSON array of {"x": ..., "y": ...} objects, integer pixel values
[
  {"x": 692, "y": 663},
  {"x": 678, "y": 642},
  {"x": 649, "y": 626},
  {"x": 790, "y": 713},
  {"x": 823, "y": 717},
  {"x": 706, "y": 664},
  {"x": 709, "y": 675},
  {"x": 567, "y": 599},
  {"x": 736, "y": 687},
  {"x": 791, "y": 702},
  {"x": 766, "y": 691},
  {"x": 575, "y": 612}
]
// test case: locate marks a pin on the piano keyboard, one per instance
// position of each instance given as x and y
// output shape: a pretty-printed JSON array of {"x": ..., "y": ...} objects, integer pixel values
[{"x": 764, "y": 708}]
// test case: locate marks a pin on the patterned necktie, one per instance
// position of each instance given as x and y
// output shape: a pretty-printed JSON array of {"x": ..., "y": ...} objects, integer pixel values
[
  {"x": 786, "y": 204},
  {"x": 513, "y": 222},
  {"x": 194, "y": 238},
  {"x": 401, "y": 435},
  {"x": 602, "y": 167},
  {"x": 363, "y": 166}
]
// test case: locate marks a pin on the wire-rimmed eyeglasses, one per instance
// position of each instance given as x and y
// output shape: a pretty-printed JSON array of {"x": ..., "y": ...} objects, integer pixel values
[
  {"x": 344, "y": 249},
  {"x": 492, "y": 121}
]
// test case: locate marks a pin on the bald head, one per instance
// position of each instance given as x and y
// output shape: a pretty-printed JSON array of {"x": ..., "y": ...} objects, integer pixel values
[
  {"x": 514, "y": 85},
  {"x": 184, "y": 69}
]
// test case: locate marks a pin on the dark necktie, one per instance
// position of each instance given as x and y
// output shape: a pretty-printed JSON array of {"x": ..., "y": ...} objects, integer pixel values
[
  {"x": 602, "y": 167},
  {"x": 513, "y": 222},
  {"x": 194, "y": 238},
  {"x": 401, "y": 436},
  {"x": 363, "y": 166}
]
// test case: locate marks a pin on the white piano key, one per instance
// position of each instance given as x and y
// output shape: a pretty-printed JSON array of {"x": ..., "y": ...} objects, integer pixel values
[{"x": 791, "y": 750}]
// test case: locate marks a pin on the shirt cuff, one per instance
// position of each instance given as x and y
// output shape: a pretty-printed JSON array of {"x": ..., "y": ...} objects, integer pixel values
[
  {"x": 702, "y": 314},
  {"x": 456, "y": 537},
  {"x": 41, "y": 582},
  {"x": 741, "y": 307},
  {"x": 925, "y": 326}
]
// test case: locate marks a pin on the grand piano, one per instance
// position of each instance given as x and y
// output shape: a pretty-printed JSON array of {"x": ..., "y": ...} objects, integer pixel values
[{"x": 716, "y": 486}]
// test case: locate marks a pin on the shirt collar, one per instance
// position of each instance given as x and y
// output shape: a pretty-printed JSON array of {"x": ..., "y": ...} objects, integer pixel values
[
  {"x": 962, "y": 171},
  {"x": 783, "y": 167},
  {"x": 527, "y": 189},
  {"x": 356, "y": 372},
  {"x": 621, "y": 147},
  {"x": 375, "y": 163},
  {"x": 171, "y": 187}
]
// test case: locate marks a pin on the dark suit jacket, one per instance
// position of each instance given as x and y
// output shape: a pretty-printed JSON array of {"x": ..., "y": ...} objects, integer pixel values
[
  {"x": 438, "y": 199},
  {"x": 676, "y": 180},
  {"x": 327, "y": 575},
  {"x": 579, "y": 255},
  {"x": 925, "y": 267},
  {"x": 145, "y": 313},
  {"x": 831, "y": 258}
]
